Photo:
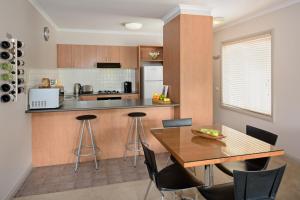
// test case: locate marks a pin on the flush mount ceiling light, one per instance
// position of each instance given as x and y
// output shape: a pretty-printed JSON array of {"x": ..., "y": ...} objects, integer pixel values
[
  {"x": 218, "y": 20},
  {"x": 133, "y": 26}
]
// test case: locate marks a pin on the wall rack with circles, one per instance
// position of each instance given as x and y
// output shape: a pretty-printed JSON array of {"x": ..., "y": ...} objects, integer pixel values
[{"x": 12, "y": 71}]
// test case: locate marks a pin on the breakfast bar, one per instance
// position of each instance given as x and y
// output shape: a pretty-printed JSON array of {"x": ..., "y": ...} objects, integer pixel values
[{"x": 55, "y": 132}]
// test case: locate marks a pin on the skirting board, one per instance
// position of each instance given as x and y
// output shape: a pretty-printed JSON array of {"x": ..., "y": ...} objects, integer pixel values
[{"x": 18, "y": 184}]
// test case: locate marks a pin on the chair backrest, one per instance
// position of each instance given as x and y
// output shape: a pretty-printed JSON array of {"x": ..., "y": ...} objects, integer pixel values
[
  {"x": 257, "y": 184},
  {"x": 260, "y": 134},
  {"x": 150, "y": 162},
  {"x": 177, "y": 122}
]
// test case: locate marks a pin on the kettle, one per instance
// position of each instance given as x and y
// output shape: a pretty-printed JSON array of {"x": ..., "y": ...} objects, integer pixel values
[{"x": 77, "y": 89}]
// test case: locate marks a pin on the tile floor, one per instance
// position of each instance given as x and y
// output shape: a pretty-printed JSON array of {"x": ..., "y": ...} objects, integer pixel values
[
  {"x": 118, "y": 180},
  {"x": 58, "y": 178},
  {"x": 135, "y": 190}
]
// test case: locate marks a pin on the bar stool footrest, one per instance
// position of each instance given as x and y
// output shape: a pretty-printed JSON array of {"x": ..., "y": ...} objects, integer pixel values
[{"x": 86, "y": 151}]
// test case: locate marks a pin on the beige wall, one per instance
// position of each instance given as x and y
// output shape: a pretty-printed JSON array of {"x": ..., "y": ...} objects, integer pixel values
[
  {"x": 19, "y": 18},
  {"x": 286, "y": 72}
]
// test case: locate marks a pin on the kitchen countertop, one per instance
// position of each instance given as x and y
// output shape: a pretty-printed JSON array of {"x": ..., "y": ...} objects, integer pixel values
[{"x": 74, "y": 105}]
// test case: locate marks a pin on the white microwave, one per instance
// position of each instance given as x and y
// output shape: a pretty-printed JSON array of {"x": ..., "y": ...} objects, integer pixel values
[{"x": 44, "y": 98}]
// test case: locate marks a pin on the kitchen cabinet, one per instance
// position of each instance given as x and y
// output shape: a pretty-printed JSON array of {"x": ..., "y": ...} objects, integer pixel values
[
  {"x": 78, "y": 56},
  {"x": 145, "y": 50},
  {"x": 64, "y": 55},
  {"x": 131, "y": 96},
  {"x": 87, "y": 56},
  {"x": 83, "y": 56},
  {"x": 88, "y": 98},
  {"x": 128, "y": 57},
  {"x": 108, "y": 54}
]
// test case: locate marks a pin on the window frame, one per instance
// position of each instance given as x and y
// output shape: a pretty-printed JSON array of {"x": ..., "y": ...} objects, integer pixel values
[{"x": 243, "y": 110}]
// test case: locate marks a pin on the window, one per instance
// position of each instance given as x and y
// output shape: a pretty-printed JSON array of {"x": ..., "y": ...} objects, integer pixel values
[{"x": 246, "y": 74}]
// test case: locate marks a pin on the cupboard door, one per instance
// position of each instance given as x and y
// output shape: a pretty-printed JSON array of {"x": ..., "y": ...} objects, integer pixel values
[
  {"x": 114, "y": 54},
  {"x": 88, "y": 98},
  {"x": 89, "y": 54},
  {"x": 102, "y": 54},
  {"x": 128, "y": 57},
  {"x": 108, "y": 54},
  {"x": 77, "y": 55},
  {"x": 64, "y": 56},
  {"x": 84, "y": 56},
  {"x": 131, "y": 96}
]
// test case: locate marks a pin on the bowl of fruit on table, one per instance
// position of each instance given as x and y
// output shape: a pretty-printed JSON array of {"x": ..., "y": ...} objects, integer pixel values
[
  {"x": 161, "y": 99},
  {"x": 208, "y": 133}
]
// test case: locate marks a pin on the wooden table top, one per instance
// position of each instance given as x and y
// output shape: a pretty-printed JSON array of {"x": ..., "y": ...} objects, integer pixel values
[{"x": 191, "y": 150}]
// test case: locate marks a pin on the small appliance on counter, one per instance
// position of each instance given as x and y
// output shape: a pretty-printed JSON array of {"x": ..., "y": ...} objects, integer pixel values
[
  {"x": 77, "y": 88},
  {"x": 45, "y": 83},
  {"x": 86, "y": 89},
  {"x": 127, "y": 87},
  {"x": 44, "y": 98}
]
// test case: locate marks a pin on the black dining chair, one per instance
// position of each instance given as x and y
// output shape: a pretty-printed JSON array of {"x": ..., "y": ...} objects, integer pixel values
[
  {"x": 247, "y": 185},
  {"x": 253, "y": 164},
  {"x": 177, "y": 122},
  {"x": 171, "y": 178},
  {"x": 173, "y": 123}
]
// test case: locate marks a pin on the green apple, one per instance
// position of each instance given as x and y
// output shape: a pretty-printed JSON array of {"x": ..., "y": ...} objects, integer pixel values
[{"x": 215, "y": 133}]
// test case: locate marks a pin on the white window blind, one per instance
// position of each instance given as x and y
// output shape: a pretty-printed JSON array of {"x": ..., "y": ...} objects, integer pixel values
[{"x": 246, "y": 74}]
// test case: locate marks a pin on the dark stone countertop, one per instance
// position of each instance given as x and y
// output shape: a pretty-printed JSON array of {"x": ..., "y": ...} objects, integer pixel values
[{"x": 74, "y": 105}]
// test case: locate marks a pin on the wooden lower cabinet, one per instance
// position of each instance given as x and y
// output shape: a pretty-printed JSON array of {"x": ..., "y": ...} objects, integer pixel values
[
  {"x": 131, "y": 96},
  {"x": 55, "y": 134},
  {"x": 88, "y": 98}
]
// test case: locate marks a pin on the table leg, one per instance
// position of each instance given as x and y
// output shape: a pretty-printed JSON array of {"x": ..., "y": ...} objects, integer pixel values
[{"x": 208, "y": 176}]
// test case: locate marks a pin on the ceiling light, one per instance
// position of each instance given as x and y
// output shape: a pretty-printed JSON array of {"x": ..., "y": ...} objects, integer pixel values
[
  {"x": 133, "y": 25},
  {"x": 218, "y": 20}
]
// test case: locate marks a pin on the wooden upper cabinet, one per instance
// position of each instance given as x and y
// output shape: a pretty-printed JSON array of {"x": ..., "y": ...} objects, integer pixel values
[
  {"x": 64, "y": 56},
  {"x": 128, "y": 57},
  {"x": 79, "y": 56},
  {"x": 87, "y": 56},
  {"x": 108, "y": 54},
  {"x": 77, "y": 51},
  {"x": 84, "y": 56}
]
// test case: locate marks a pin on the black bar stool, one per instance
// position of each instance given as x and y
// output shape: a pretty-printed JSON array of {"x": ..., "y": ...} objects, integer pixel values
[
  {"x": 84, "y": 149},
  {"x": 136, "y": 135}
]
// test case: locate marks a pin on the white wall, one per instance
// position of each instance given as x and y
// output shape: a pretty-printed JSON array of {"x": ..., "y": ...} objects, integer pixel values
[
  {"x": 66, "y": 37},
  {"x": 286, "y": 72},
  {"x": 19, "y": 18},
  {"x": 100, "y": 79}
]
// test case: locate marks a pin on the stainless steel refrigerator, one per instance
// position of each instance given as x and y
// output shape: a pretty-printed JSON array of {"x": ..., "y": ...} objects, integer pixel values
[{"x": 151, "y": 81}]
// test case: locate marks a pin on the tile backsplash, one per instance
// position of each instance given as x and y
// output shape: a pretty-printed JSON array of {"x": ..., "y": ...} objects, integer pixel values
[{"x": 100, "y": 79}]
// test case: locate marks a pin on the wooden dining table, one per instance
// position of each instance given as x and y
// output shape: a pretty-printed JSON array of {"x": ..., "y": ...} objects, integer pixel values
[{"x": 191, "y": 150}]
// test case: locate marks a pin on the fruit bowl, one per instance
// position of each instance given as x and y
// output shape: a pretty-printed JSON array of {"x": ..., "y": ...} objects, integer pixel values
[
  {"x": 208, "y": 133},
  {"x": 154, "y": 54}
]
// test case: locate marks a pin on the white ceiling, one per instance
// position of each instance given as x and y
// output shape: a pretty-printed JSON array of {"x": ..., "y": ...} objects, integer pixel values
[{"x": 108, "y": 15}]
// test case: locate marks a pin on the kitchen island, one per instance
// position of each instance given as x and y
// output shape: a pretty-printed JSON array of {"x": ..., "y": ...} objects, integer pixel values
[{"x": 55, "y": 132}]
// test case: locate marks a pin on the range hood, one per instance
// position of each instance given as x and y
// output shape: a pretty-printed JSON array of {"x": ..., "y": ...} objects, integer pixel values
[{"x": 108, "y": 65}]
